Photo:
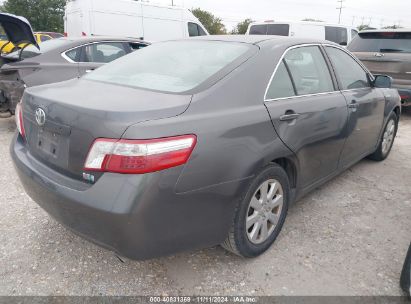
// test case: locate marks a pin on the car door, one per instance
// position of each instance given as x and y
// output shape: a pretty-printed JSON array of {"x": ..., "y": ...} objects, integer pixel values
[
  {"x": 365, "y": 104},
  {"x": 308, "y": 112},
  {"x": 94, "y": 55}
]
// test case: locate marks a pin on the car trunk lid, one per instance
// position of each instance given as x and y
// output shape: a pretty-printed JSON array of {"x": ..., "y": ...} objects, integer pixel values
[
  {"x": 63, "y": 120},
  {"x": 18, "y": 29}
]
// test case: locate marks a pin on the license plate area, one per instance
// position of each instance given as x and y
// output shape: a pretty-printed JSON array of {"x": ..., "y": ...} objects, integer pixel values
[{"x": 51, "y": 146}]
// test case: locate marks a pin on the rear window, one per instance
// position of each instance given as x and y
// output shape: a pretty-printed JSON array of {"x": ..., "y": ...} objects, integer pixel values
[
  {"x": 270, "y": 29},
  {"x": 174, "y": 66},
  {"x": 383, "y": 42},
  {"x": 32, "y": 51}
]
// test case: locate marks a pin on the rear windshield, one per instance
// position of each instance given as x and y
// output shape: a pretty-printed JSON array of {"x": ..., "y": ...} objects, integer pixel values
[
  {"x": 174, "y": 66},
  {"x": 31, "y": 51},
  {"x": 383, "y": 42},
  {"x": 270, "y": 29}
]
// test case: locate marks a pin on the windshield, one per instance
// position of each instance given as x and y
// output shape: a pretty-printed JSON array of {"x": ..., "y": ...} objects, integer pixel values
[
  {"x": 382, "y": 42},
  {"x": 31, "y": 51},
  {"x": 175, "y": 66}
]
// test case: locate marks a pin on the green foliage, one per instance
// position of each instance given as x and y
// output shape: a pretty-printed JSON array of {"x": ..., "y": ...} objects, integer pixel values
[
  {"x": 362, "y": 27},
  {"x": 242, "y": 27},
  {"x": 312, "y": 20},
  {"x": 213, "y": 24},
  {"x": 392, "y": 27},
  {"x": 44, "y": 15}
]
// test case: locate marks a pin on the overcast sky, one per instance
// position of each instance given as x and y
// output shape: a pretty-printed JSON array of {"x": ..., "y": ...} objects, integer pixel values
[{"x": 379, "y": 12}]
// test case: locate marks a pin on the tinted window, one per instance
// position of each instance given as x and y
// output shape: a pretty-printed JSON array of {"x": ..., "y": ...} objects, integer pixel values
[
  {"x": 174, "y": 66},
  {"x": 103, "y": 52},
  {"x": 260, "y": 29},
  {"x": 349, "y": 72},
  {"x": 278, "y": 29},
  {"x": 309, "y": 70},
  {"x": 336, "y": 34},
  {"x": 44, "y": 38},
  {"x": 281, "y": 85},
  {"x": 382, "y": 42},
  {"x": 195, "y": 30},
  {"x": 136, "y": 46},
  {"x": 74, "y": 54}
]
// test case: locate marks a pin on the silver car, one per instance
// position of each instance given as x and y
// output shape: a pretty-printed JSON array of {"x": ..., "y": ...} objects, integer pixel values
[{"x": 58, "y": 60}]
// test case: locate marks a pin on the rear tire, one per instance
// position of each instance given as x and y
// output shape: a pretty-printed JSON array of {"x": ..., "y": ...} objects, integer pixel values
[
  {"x": 387, "y": 139},
  {"x": 260, "y": 216}
]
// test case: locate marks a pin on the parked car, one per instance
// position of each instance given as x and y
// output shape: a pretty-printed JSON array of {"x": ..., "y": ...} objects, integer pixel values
[
  {"x": 337, "y": 33},
  {"x": 406, "y": 274},
  {"x": 192, "y": 143},
  {"x": 57, "y": 60},
  {"x": 387, "y": 52},
  {"x": 16, "y": 30},
  {"x": 44, "y": 36},
  {"x": 125, "y": 18}
]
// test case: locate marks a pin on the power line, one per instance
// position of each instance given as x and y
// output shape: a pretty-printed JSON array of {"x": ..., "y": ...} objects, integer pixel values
[{"x": 340, "y": 8}]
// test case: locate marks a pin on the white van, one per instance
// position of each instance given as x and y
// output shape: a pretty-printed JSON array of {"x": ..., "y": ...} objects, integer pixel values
[
  {"x": 337, "y": 33},
  {"x": 129, "y": 18}
]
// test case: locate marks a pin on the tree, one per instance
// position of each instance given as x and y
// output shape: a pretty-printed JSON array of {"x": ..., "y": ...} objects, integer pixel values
[
  {"x": 44, "y": 15},
  {"x": 312, "y": 20},
  {"x": 362, "y": 27},
  {"x": 392, "y": 27},
  {"x": 213, "y": 24},
  {"x": 242, "y": 27}
]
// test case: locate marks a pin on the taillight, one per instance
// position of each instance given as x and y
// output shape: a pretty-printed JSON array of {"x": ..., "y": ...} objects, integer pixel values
[
  {"x": 19, "y": 119},
  {"x": 139, "y": 156},
  {"x": 83, "y": 34},
  {"x": 65, "y": 34}
]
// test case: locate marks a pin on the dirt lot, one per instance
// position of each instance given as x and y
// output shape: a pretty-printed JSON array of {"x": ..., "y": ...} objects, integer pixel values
[{"x": 348, "y": 237}]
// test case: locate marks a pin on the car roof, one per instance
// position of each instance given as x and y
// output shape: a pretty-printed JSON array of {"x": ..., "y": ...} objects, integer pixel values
[
  {"x": 259, "y": 39},
  {"x": 401, "y": 30},
  {"x": 87, "y": 39},
  {"x": 300, "y": 22}
]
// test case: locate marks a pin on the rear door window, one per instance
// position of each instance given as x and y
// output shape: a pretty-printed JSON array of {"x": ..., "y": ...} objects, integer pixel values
[
  {"x": 74, "y": 55},
  {"x": 278, "y": 29},
  {"x": 349, "y": 72},
  {"x": 336, "y": 34},
  {"x": 309, "y": 70},
  {"x": 103, "y": 52},
  {"x": 281, "y": 85},
  {"x": 258, "y": 29}
]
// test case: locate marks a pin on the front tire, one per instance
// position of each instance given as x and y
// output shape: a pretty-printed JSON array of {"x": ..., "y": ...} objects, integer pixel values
[
  {"x": 260, "y": 216},
  {"x": 387, "y": 139}
]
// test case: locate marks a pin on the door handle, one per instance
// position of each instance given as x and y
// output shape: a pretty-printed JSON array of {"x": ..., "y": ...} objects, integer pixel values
[
  {"x": 288, "y": 117},
  {"x": 353, "y": 105}
]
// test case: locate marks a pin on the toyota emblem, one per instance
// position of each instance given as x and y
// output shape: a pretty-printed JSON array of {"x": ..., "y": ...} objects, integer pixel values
[{"x": 40, "y": 117}]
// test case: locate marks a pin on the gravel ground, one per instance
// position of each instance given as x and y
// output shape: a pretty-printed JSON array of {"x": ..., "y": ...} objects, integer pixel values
[{"x": 349, "y": 237}]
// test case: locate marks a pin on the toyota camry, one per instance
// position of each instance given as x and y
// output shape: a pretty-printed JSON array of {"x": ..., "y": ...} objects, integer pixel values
[{"x": 193, "y": 143}]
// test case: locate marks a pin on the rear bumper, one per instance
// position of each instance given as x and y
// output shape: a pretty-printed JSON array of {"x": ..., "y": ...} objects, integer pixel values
[
  {"x": 137, "y": 216},
  {"x": 405, "y": 94}
]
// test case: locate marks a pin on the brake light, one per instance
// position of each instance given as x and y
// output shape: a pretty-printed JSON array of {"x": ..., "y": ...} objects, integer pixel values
[
  {"x": 19, "y": 119},
  {"x": 65, "y": 34},
  {"x": 139, "y": 156},
  {"x": 83, "y": 34}
]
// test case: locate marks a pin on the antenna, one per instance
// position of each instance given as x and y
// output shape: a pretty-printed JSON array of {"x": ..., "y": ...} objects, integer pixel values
[{"x": 340, "y": 8}]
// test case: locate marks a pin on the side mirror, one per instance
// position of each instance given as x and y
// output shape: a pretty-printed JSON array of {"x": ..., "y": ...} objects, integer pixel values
[
  {"x": 344, "y": 43},
  {"x": 383, "y": 81}
]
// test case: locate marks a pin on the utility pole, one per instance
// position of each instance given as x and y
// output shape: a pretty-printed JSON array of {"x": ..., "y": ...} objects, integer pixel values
[{"x": 340, "y": 8}]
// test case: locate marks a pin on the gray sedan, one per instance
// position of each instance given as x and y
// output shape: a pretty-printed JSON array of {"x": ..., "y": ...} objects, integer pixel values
[
  {"x": 57, "y": 60},
  {"x": 188, "y": 144}
]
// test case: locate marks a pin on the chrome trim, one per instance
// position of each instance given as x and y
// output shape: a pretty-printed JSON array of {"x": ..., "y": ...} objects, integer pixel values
[
  {"x": 315, "y": 94},
  {"x": 63, "y": 54},
  {"x": 300, "y": 96}
]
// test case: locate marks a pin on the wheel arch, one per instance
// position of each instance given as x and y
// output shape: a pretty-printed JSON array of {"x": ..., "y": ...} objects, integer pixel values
[{"x": 289, "y": 167}]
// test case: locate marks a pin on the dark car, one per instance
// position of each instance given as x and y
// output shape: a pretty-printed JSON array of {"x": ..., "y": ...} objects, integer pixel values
[
  {"x": 57, "y": 60},
  {"x": 406, "y": 274},
  {"x": 387, "y": 52},
  {"x": 192, "y": 143}
]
